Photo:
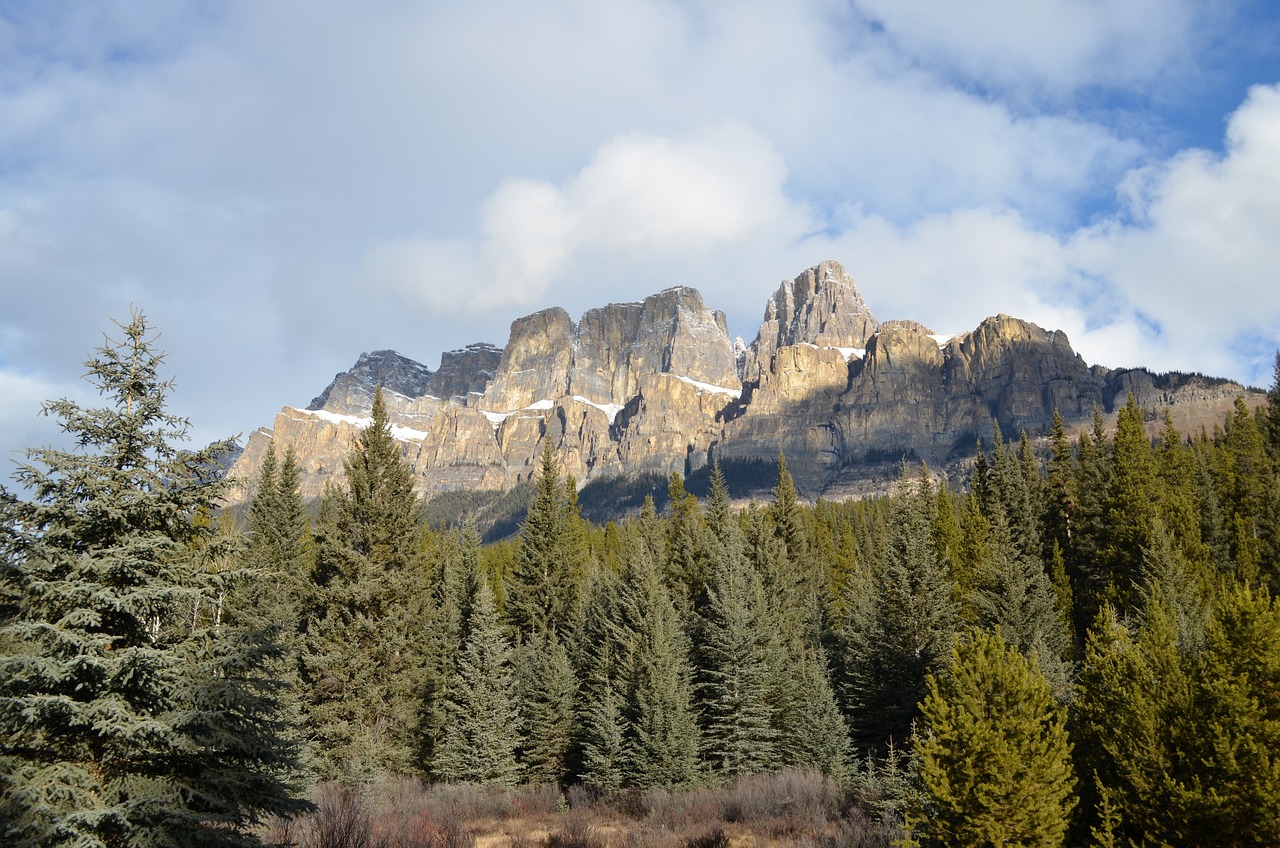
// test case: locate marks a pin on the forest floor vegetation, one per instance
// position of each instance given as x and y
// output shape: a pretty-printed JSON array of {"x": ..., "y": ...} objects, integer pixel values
[{"x": 780, "y": 810}]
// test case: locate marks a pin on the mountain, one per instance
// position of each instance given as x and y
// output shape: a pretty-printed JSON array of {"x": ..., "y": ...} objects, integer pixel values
[{"x": 658, "y": 386}]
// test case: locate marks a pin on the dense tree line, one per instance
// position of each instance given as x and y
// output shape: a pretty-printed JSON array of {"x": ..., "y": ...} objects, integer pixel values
[{"x": 1076, "y": 644}]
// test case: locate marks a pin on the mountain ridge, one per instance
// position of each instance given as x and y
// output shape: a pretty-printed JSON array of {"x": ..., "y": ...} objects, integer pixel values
[{"x": 657, "y": 386}]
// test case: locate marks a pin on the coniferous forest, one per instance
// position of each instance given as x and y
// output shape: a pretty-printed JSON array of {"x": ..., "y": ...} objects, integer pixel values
[{"x": 1079, "y": 644}]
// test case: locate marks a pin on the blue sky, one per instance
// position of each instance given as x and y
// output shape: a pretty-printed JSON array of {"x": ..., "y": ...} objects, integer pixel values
[{"x": 283, "y": 185}]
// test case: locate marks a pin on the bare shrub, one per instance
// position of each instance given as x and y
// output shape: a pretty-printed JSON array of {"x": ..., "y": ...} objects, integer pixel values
[
  {"x": 683, "y": 812},
  {"x": 714, "y": 838},
  {"x": 857, "y": 830},
  {"x": 341, "y": 820},
  {"x": 783, "y": 803},
  {"x": 537, "y": 799},
  {"x": 577, "y": 832}
]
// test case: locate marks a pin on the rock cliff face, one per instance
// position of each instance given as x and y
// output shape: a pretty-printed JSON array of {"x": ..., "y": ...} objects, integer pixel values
[
  {"x": 658, "y": 386},
  {"x": 351, "y": 392}
]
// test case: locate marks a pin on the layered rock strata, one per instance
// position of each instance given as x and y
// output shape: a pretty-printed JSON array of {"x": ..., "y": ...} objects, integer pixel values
[{"x": 658, "y": 386}]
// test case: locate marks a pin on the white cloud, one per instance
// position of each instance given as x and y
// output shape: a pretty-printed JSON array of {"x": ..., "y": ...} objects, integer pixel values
[
  {"x": 1185, "y": 279},
  {"x": 1053, "y": 44},
  {"x": 640, "y": 194},
  {"x": 20, "y": 420},
  {"x": 1201, "y": 258}
]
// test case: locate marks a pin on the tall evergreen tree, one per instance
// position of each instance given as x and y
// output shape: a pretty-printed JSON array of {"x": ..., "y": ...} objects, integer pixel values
[
  {"x": 364, "y": 665},
  {"x": 661, "y": 732},
  {"x": 1273, "y": 414},
  {"x": 122, "y": 721},
  {"x": 1235, "y": 707},
  {"x": 737, "y": 644},
  {"x": 480, "y": 736},
  {"x": 901, "y": 629},
  {"x": 815, "y": 734},
  {"x": 547, "y": 689},
  {"x": 993, "y": 755},
  {"x": 1129, "y": 712},
  {"x": 542, "y": 590}
]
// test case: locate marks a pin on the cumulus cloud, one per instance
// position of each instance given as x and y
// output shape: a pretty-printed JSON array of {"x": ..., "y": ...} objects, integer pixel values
[
  {"x": 640, "y": 193},
  {"x": 1054, "y": 44},
  {"x": 283, "y": 185},
  {"x": 1200, "y": 255},
  {"x": 1183, "y": 278}
]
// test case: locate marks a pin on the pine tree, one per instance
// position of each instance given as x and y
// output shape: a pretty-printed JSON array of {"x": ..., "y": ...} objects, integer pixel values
[
  {"x": 1130, "y": 505},
  {"x": 364, "y": 665},
  {"x": 900, "y": 628},
  {"x": 542, "y": 593},
  {"x": 1085, "y": 567},
  {"x": 547, "y": 688},
  {"x": 1235, "y": 746},
  {"x": 1273, "y": 415},
  {"x": 662, "y": 735},
  {"x": 993, "y": 754},
  {"x": 122, "y": 722},
  {"x": 1129, "y": 713},
  {"x": 482, "y": 732}
]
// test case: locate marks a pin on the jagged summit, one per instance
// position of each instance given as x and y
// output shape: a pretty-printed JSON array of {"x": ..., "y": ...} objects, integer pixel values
[
  {"x": 351, "y": 392},
  {"x": 658, "y": 386},
  {"x": 822, "y": 307}
]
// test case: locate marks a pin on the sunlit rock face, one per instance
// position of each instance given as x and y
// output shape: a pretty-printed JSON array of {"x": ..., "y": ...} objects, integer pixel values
[{"x": 658, "y": 386}]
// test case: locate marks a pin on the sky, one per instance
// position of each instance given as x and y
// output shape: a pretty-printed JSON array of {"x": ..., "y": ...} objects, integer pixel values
[{"x": 283, "y": 184}]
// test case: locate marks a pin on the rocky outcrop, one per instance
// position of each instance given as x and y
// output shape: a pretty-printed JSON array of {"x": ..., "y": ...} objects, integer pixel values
[
  {"x": 657, "y": 386},
  {"x": 351, "y": 392},
  {"x": 821, "y": 307},
  {"x": 465, "y": 372}
]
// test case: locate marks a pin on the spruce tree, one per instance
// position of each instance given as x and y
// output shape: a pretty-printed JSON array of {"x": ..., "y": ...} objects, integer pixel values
[
  {"x": 815, "y": 735},
  {"x": 481, "y": 732},
  {"x": 605, "y": 647},
  {"x": 364, "y": 665},
  {"x": 547, "y": 689},
  {"x": 122, "y": 720},
  {"x": 1017, "y": 598},
  {"x": 900, "y": 630},
  {"x": 661, "y": 731},
  {"x": 736, "y": 646},
  {"x": 993, "y": 754},
  {"x": 542, "y": 588}
]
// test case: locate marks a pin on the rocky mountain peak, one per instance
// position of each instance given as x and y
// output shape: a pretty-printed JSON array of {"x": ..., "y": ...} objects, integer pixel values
[
  {"x": 822, "y": 307},
  {"x": 465, "y": 372},
  {"x": 657, "y": 386},
  {"x": 351, "y": 391}
]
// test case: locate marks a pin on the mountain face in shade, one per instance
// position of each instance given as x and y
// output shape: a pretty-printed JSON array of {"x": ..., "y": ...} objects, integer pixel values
[{"x": 658, "y": 386}]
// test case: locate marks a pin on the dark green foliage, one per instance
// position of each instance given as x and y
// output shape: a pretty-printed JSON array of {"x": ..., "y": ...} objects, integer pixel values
[
  {"x": 546, "y": 688},
  {"x": 128, "y": 714},
  {"x": 496, "y": 515},
  {"x": 901, "y": 627},
  {"x": 1235, "y": 709},
  {"x": 543, "y": 589},
  {"x": 993, "y": 755},
  {"x": 661, "y": 735},
  {"x": 364, "y": 665},
  {"x": 737, "y": 646},
  {"x": 481, "y": 730},
  {"x": 1129, "y": 713},
  {"x": 1273, "y": 414}
]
